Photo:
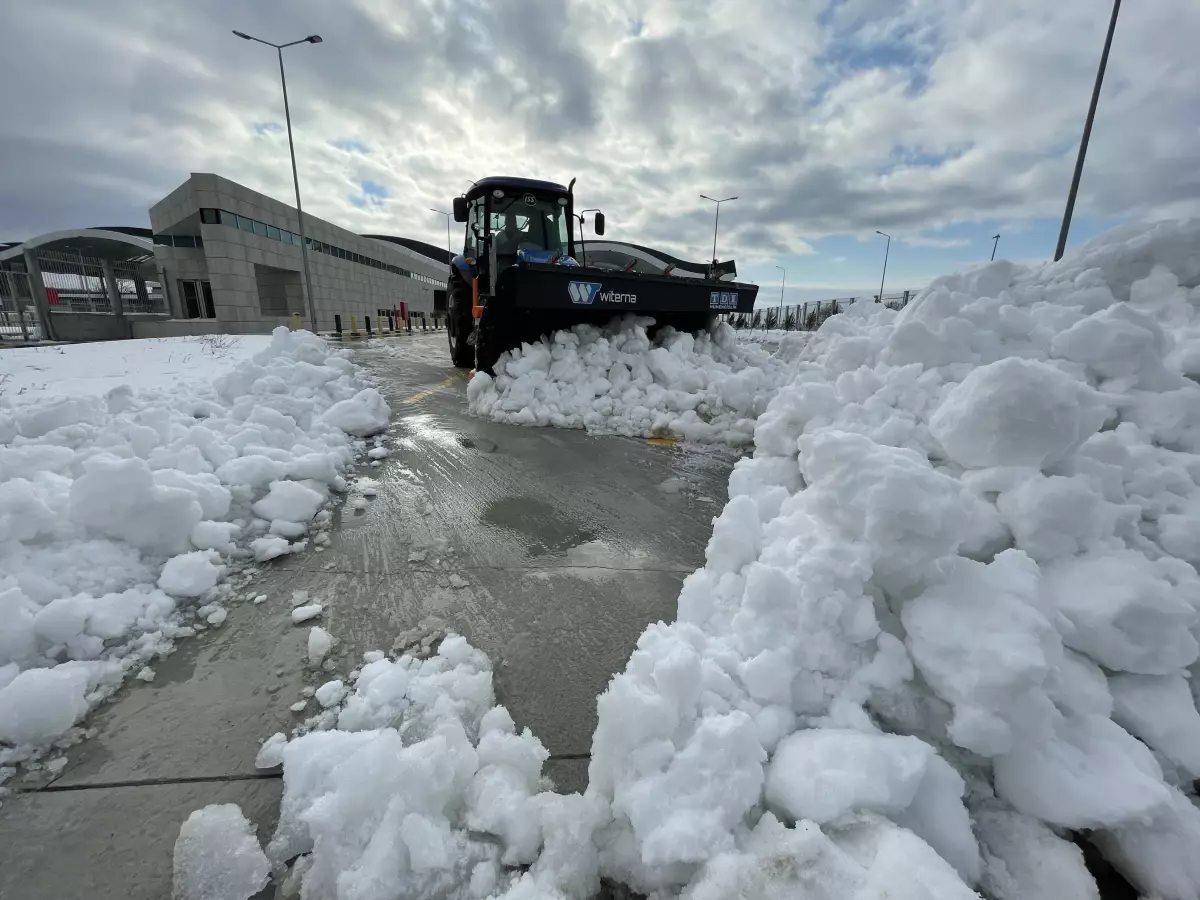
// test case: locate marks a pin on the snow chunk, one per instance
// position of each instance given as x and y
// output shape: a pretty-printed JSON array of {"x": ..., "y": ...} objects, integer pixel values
[
  {"x": 320, "y": 642},
  {"x": 289, "y": 501},
  {"x": 304, "y": 613},
  {"x": 331, "y": 693},
  {"x": 191, "y": 574},
  {"x": 379, "y": 453},
  {"x": 210, "y": 535},
  {"x": 270, "y": 547},
  {"x": 1015, "y": 412},
  {"x": 39, "y": 705},
  {"x": 364, "y": 414},
  {"x": 1161, "y": 711},
  {"x": 218, "y": 857}
]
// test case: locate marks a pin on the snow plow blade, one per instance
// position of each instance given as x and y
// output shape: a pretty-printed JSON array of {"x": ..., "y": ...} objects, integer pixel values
[
  {"x": 586, "y": 290},
  {"x": 533, "y": 300}
]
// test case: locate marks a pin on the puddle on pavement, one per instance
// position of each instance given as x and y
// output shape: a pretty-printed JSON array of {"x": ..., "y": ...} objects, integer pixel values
[{"x": 547, "y": 530}]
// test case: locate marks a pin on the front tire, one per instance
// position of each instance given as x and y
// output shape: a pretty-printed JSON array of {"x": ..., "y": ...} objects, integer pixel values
[{"x": 459, "y": 325}]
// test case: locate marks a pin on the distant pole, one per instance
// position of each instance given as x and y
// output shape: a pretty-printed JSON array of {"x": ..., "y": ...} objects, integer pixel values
[
  {"x": 995, "y": 241},
  {"x": 886, "y": 250},
  {"x": 781, "y": 289},
  {"x": 287, "y": 114},
  {"x": 716, "y": 222},
  {"x": 1087, "y": 134}
]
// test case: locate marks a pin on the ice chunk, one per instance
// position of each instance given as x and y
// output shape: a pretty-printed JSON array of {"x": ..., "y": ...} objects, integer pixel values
[
  {"x": 210, "y": 535},
  {"x": 1159, "y": 856},
  {"x": 218, "y": 857},
  {"x": 1015, "y": 412},
  {"x": 39, "y": 705},
  {"x": 320, "y": 642},
  {"x": 270, "y": 754},
  {"x": 145, "y": 674},
  {"x": 304, "y": 613},
  {"x": 191, "y": 574},
  {"x": 378, "y": 453}
]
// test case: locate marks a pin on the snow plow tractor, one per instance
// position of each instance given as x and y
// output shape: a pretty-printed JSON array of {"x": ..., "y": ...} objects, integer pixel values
[{"x": 523, "y": 274}]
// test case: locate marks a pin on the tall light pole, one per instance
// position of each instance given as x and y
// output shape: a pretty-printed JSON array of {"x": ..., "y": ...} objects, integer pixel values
[
  {"x": 1087, "y": 134},
  {"x": 287, "y": 114},
  {"x": 886, "y": 250},
  {"x": 449, "y": 255},
  {"x": 781, "y": 288},
  {"x": 716, "y": 222},
  {"x": 995, "y": 241}
]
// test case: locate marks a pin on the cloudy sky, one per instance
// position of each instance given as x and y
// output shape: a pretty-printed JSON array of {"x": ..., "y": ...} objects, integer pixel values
[{"x": 942, "y": 122}]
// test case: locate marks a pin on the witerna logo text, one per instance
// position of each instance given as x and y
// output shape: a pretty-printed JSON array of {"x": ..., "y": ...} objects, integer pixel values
[{"x": 588, "y": 292}]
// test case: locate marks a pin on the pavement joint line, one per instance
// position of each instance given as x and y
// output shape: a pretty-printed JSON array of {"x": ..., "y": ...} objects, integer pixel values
[
  {"x": 148, "y": 782},
  {"x": 421, "y": 395},
  {"x": 680, "y": 570}
]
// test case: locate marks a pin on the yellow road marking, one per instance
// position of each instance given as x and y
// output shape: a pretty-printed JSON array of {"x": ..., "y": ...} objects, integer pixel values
[
  {"x": 421, "y": 395},
  {"x": 662, "y": 441}
]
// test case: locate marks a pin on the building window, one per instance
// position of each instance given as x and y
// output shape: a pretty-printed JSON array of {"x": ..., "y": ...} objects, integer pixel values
[
  {"x": 208, "y": 216},
  {"x": 184, "y": 240},
  {"x": 228, "y": 218},
  {"x": 162, "y": 240},
  {"x": 246, "y": 224},
  {"x": 273, "y": 233},
  {"x": 197, "y": 299},
  {"x": 260, "y": 228}
]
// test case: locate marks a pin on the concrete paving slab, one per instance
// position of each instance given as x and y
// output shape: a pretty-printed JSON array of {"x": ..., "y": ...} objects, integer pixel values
[{"x": 111, "y": 843}]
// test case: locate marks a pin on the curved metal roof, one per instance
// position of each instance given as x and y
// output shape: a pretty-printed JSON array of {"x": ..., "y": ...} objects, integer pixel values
[
  {"x": 99, "y": 242},
  {"x": 435, "y": 254}
]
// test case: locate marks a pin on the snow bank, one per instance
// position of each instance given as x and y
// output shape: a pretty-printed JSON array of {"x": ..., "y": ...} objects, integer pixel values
[
  {"x": 414, "y": 784},
  {"x": 953, "y": 591},
  {"x": 117, "y": 504},
  {"x": 704, "y": 387}
]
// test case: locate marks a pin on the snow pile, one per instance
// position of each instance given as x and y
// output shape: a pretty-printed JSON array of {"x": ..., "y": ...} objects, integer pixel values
[
  {"x": 416, "y": 785},
  {"x": 705, "y": 387},
  {"x": 115, "y": 507},
  {"x": 951, "y": 604}
]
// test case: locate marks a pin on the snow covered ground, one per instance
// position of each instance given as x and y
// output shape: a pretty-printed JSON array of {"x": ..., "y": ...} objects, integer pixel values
[
  {"x": 949, "y": 615},
  {"x": 133, "y": 476},
  {"x": 707, "y": 387}
]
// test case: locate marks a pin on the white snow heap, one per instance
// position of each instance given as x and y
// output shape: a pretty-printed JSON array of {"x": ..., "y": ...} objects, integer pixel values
[
  {"x": 954, "y": 587},
  {"x": 218, "y": 857},
  {"x": 98, "y": 492},
  {"x": 705, "y": 387},
  {"x": 425, "y": 789}
]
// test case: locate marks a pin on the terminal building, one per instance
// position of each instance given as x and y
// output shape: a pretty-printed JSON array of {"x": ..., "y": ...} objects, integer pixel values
[{"x": 217, "y": 258}]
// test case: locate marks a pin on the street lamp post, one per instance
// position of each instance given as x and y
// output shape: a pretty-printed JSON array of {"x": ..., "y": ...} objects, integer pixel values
[
  {"x": 781, "y": 289},
  {"x": 716, "y": 222},
  {"x": 995, "y": 241},
  {"x": 287, "y": 114},
  {"x": 449, "y": 255},
  {"x": 886, "y": 250},
  {"x": 1087, "y": 134}
]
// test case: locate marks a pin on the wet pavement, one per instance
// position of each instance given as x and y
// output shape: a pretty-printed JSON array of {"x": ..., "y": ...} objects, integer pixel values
[{"x": 568, "y": 544}]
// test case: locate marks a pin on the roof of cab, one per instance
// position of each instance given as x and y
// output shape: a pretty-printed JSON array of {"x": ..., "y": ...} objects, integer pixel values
[{"x": 512, "y": 183}]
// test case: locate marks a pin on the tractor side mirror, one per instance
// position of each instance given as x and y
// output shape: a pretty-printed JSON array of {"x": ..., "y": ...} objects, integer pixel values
[
  {"x": 460, "y": 209},
  {"x": 598, "y": 223}
]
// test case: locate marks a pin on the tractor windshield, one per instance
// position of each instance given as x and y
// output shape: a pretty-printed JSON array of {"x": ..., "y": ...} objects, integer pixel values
[{"x": 516, "y": 223}]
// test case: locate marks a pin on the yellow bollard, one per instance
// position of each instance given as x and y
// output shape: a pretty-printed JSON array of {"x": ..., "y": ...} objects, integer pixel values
[
  {"x": 295, "y": 321},
  {"x": 354, "y": 326}
]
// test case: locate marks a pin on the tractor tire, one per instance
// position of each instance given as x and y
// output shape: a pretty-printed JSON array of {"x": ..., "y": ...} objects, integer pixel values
[
  {"x": 492, "y": 338},
  {"x": 459, "y": 325}
]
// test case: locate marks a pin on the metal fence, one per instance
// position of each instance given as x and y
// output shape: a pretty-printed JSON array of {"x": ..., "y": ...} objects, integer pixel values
[
  {"x": 75, "y": 283},
  {"x": 18, "y": 313},
  {"x": 808, "y": 316}
]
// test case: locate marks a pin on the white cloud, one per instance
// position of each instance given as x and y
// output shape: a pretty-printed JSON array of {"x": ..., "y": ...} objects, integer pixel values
[{"x": 824, "y": 119}]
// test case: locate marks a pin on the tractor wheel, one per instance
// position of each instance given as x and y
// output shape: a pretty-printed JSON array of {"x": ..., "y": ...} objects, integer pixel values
[
  {"x": 492, "y": 338},
  {"x": 459, "y": 325}
]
